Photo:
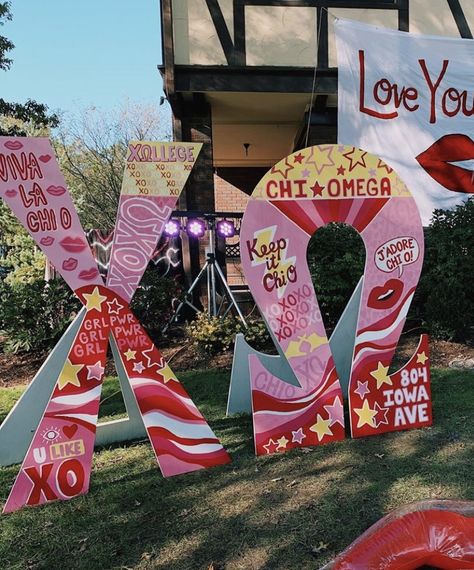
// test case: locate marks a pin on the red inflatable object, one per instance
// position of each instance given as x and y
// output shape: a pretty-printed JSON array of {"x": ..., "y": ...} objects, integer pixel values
[{"x": 431, "y": 533}]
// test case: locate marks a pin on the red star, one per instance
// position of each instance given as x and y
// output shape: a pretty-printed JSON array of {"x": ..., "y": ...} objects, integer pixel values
[
  {"x": 271, "y": 446},
  {"x": 381, "y": 164},
  {"x": 381, "y": 415},
  {"x": 283, "y": 167},
  {"x": 355, "y": 156},
  {"x": 298, "y": 158},
  {"x": 341, "y": 170},
  {"x": 317, "y": 189},
  {"x": 114, "y": 306}
]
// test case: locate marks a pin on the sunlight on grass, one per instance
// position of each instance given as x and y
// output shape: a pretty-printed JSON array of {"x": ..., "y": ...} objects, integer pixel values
[{"x": 266, "y": 512}]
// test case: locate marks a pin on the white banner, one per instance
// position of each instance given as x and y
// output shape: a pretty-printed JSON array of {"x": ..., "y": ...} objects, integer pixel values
[{"x": 410, "y": 100}]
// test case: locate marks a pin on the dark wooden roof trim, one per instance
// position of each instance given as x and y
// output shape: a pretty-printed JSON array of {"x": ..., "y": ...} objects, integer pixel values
[
  {"x": 460, "y": 19},
  {"x": 404, "y": 15},
  {"x": 222, "y": 30},
  {"x": 323, "y": 49},
  {"x": 374, "y": 4},
  {"x": 239, "y": 33},
  {"x": 168, "y": 47},
  {"x": 265, "y": 79}
]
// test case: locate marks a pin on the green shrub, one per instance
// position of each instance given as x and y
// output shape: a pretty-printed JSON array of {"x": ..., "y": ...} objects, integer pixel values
[
  {"x": 445, "y": 296},
  {"x": 34, "y": 315},
  {"x": 212, "y": 335},
  {"x": 336, "y": 258}
]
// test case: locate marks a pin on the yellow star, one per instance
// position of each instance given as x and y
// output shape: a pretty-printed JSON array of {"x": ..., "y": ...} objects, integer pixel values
[
  {"x": 321, "y": 427},
  {"x": 421, "y": 358},
  {"x": 282, "y": 442},
  {"x": 69, "y": 374},
  {"x": 130, "y": 354},
  {"x": 381, "y": 375},
  {"x": 167, "y": 374},
  {"x": 366, "y": 415},
  {"x": 316, "y": 341},
  {"x": 94, "y": 300}
]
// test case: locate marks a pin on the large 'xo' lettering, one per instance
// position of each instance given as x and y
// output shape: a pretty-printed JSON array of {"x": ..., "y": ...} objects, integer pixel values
[
  {"x": 303, "y": 192},
  {"x": 58, "y": 462}
]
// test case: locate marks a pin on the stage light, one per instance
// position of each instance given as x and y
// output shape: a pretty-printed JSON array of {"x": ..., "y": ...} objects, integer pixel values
[
  {"x": 196, "y": 228},
  {"x": 225, "y": 228},
  {"x": 172, "y": 228}
]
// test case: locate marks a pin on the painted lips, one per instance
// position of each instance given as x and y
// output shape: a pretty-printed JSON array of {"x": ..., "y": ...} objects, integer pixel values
[
  {"x": 13, "y": 145},
  {"x": 386, "y": 296},
  {"x": 70, "y": 264},
  {"x": 73, "y": 245},
  {"x": 56, "y": 190},
  {"x": 87, "y": 275},
  {"x": 437, "y": 159},
  {"x": 47, "y": 240}
]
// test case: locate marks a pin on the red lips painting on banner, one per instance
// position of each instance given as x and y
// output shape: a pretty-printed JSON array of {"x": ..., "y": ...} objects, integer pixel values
[
  {"x": 439, "y": 162},
  {"x": 58, "y": 462},
  {"x": 303, "y": 192}
]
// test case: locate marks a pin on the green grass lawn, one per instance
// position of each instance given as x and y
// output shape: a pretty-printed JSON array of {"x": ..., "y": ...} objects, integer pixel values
[{"x": 291, "y": 511}]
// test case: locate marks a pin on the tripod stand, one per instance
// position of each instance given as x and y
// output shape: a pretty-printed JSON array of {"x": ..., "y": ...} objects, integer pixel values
[{"x": 213, "y": 274}]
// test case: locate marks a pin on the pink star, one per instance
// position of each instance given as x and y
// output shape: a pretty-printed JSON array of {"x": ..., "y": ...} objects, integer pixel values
[
  {"x": 336, "y": 412},
  {"x": 95, "y": 371},
  {"x": 298, "y": 436},
  {"x": 372, "y": 172},
  {"x": 320, "y": 157},
  {"x": 305, "y": 173},
  {"x": 362, "y": 389},
  {"x": 138, "y": 367}
]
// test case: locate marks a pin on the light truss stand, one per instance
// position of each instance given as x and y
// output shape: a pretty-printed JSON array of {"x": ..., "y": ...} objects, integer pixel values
[{"x": 213, "y": 273}]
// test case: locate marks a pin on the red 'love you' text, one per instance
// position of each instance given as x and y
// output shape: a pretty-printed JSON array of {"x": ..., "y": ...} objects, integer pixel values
[{"x": 385, "y": 99}]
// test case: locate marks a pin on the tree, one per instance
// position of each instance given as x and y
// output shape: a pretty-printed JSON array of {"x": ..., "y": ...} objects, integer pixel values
[
  {"x": 21, "y": 259},
  {"x": 446, "y": 292},
  {"x": 5, "y": 44},
  {"x": 91, "y": 147}
]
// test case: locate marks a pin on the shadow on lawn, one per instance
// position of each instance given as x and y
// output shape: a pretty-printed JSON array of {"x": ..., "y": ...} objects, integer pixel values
[{"x": 295, "y": 510}]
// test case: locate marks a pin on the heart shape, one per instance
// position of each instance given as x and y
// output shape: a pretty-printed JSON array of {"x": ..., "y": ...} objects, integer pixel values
[
  {"x": 45, "y": 158},
  {"x": 70, "y": 430}
]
